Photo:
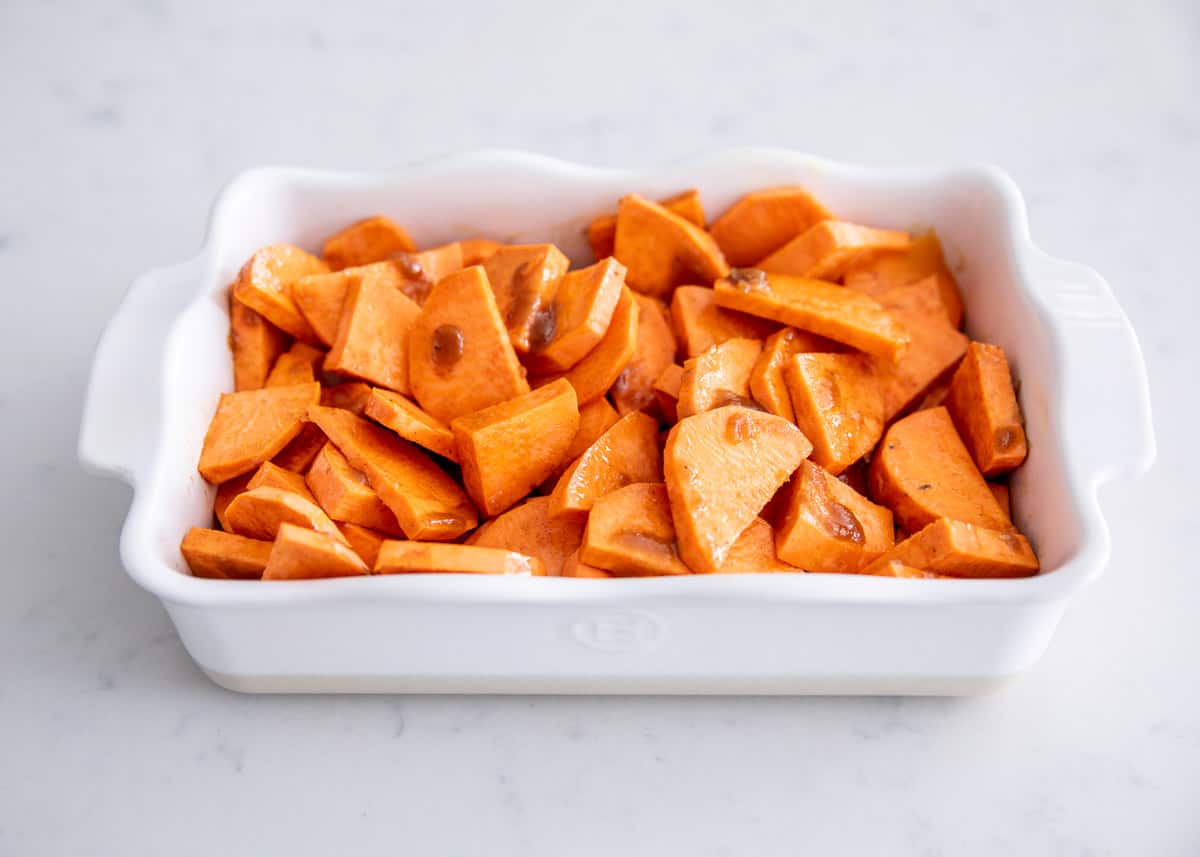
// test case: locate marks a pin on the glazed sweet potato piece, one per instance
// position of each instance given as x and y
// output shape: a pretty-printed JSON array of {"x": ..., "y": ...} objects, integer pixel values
[
  {"x": 257, "y": 513},
  {"x": 523, "y": 278},
  {"x": 822, "y": 308},
  {"x": 721, "y": 468},
  {"x": 424, "y": 558},
  {"x": 1003, "y": 498},
  {"x": 265, "y": 285},
  {"x": 699, "y": 323},
  {"x": 983, "y": 404},
  {"x": 663, "y": 250},
  {"x": 297, "y": 365},
  {"x": 595, "y": 418},
  {"x": 959, "y": 549},
  {"x": 763, "y": 221},
  {"x": 351, "y": 396},
  {"x": 577, "y": 318},
  {"x": 303, "y": 554},
  {"x": 365, "y": 542},
  {"x": 460, "y": 356},
  {"x": 427, "y": 502},
  {"x": 420, "y": 272},
  {"x": 475, "y": 251},
  {"x": 599, "y": 370},
  {"x": 321, "y": 297},
  {"x": 530, "y": 529},
  {"x": 371, "y": 240},
  {"x": 372, "y": 337},
  {"x": 923, "y": 258},
  {"x": 826, "y": 249},
  {"x": 828, "y": 526},
  {"x": 256, "y": 345},
  {"x": 837, "y": 404},
  {"x": 754, "y": 553},
  {"x": 300, "y": 453},
  {"x": 224, "y": 556},
  {"x": 666, "y": 390},
  {"x": 922, "y": 472},
  {"x": 766, "y": 379},
  {"x": 895, "y": 568},
  {"x": 252, "y": 426},
  {"x": 602, "y": 231},
  {"x": 271, "y": 475},
  {"x": 720, "y": 376},
  {"x": 226, "y": 491},
  {"x": 573, "y": 566},
  {"x": 630, "y": 534},
  {"x": 653, "y": 352},
  {"x": 627, "y": 453},
  {"x": 411, "y": 423},
  {"x": 345, "y": 494}
]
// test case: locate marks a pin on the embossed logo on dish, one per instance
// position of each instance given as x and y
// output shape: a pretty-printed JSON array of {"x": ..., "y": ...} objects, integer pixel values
[{"x": 620, "y": 631}]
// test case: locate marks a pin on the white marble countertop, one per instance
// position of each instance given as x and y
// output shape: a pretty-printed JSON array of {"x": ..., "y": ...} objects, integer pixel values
[{"x": 122, "y": 120}]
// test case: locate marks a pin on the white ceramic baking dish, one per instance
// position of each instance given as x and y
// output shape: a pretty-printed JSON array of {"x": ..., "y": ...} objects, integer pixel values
[{"x": 163, "y": 360}]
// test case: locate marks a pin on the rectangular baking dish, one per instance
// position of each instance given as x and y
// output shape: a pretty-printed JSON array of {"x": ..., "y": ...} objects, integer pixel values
[{"x": 163, "y": 361}]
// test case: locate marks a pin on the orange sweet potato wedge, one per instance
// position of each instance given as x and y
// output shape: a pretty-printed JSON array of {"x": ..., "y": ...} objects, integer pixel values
[
  {"x": 595, "y": 418},
  {"x": 507, "y": 449},
  {"x": 224, "y": 556},
  {"x": 666, "y": 390},
  {"x": 251, "y": 426},
  {"x": 819, "y": 307},
  {"x": 351, "y": 396},
  {"x": 411, "y": 423},
  {"x": 599, "y": 370},
  {"x": 653, "y": 352},
  {"x": 627, "y": 453},
  {"x": 895, "y": 568},
  {"x": 365, "y": 542},
  {"x": 257, "y": 513},
  {"x": 256, "y": 345},
  {"x": 271, "y": 475},
  {"x": 297, "y": 365},
  {"x": 475, "y": 250},
  {"x": 837, "y": 404},
  {"x": 828, "y": 526},
  {"x": 763, "y": 221},
  {"x": 578, "y": 317},
  {"x": 767, "y": 386},
  {"x": 424, "y": 558},
  {"x": 573, "y": 566},
  {"x": 754, "y": 552},
  {"x": 922, "y": 472},
  {"x": 524, "y": 278},
  {"x": 321, "y": 297},
  {"x": 427, "y": 502},
  {"x": 720, "y": 376},
  {"x": 265, "y": 285},
  {"x": 372, "y": 337},
  {"x": 1003, "y": 497},
  {"x": 420, "y": 272},
  {"x": 226, "y": 491},
  {"x": 699, "y": 323},
  {"x": 958, "y": 549},
  {"x": 826, "y": 249},
  {"x": 304, "y": 554},
  {"x": 531, "y": 530},
  {"x": 983, "y": 404},
  {"x": 299, "y": 455},
  {"x": 721, "y": 468},
  {"x": 602, "y": 231},
  {"x": 923, "y": 258},
  {"x": 629, "y": 533},
  {"x": 460, "y": 357},
  {"x": 345, "y": 495},
  {"x": 663, "y": 250},
  {"x": 371, "y": 240}
]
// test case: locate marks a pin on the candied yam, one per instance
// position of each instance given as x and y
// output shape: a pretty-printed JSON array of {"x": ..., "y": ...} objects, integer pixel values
[
  {"x": 371, "y": 240},
  {"x": 265, "y": 285},
  {"x": 599, "y": 370},
  {"x": 721, "y": 468},
  {"x": 252, "y": 426},
  {"x": 666, "y": 390},
  {"x": 625, "y": 454},
  {"x": 983, "y": 405},
  {"x": 424, "y": 558},
  {"x": 754, "y": 553},
  {"x": 322, "y": 296},
  {"x": 1003, "y": 497},
  {"x": 922, "y": 259},
  {"x": 258, "y": 512},
  {"x": 826, "y": 249},
  {"x": 763, "y": 221},
  {"x": 828, "y": 526},
  {"x": 653, "y": 352},
  {"x": 509, "y": 448},
  {"x": 427, "y": 502},
  {"x": 271, "y": 475},
  {"x": 595, "y": 418},
  {"x": 895, "y": 568},
  {"x": 345, "y": 494},
  {"x": 602, "y": 231},
  {"x": 365, "y": 542},
  {"x": 530, "y": 529},
  {"x": 630, "y": 534},
  {"x": 699, "y": 323},
  {"x": 475, "y": 250},
  {"x": 577, "y": 318},
  {"x": 411, "y": 423},
  {"x": 767, "y": 385},
  {"x": 295, "y": 366},
  {"x": 573, "y": 566},
  {"x": 958, "y": 549},
  {"x": 224, "y": 556},
  {"x": 922, "y": 472},
  {"x": 837, "y": 404},
  {"x": 420, "y": 272},
  {"x": 351, "y": 396},
  {"x": 256, "y": 345},
  {"x": 226, "y": 491},
  {"x": 663, "y": 250},
  {"x": 523, "y": 278},
  {"x": 303, "y": 554},
  {"x": 460, "y": 356},
  {"x": 372, "y": 337},
  {"x": 718, "y": 377},
  {"x": 298, "y": 455}
]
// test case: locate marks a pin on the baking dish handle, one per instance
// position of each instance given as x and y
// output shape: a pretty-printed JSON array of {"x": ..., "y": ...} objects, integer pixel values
[{"x": 121, "y": 410}]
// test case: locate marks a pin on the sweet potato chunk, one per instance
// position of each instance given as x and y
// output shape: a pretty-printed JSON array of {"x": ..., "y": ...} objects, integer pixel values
[
  {"x": 372, "y": 337},
  {"x": 599, "y": 370},
  {"x": 1001, "y": 493},
  {"x": 721, "y": 468},
  {"x": 959, "y": 549},
  {"x": 602, "y": 231},
  {"x": 837, "y": 405},
  {"x": 666, "y": 390},
  {"x": 475, "y": 250},
  {"x": 411, "y": 423},
  {"x": 754, "y": 552},
  {"x": 365, "y": 542},
  {"x": 573, "y": 566},
  {"x": 530, "y": 529},
  {"x": 507, "y": 449},
  {"x": 345, "y": 494},
  {"x": 895, "y": 568},
  {"x": 718, "y": 377},
  {"x": 460, "y": 356},
  {"x": 595, "y": 418},
  {"x": 265, "y": 285},
  {"x": 923, "y": 258},
  {"x": 766, "y": 379},
  {"x": 700, "y": 324},
  {"x": 828, "y": 526},
  {"x": 424, "y": 558},
  {"x": 226, "y": 491},
  {"x": 823, "y": 308},
  {"x": 663, "y": 250},
  {"x": 427, "y": 502},
  {"x": 251, "y": 426},
  {"x": 922, "y": 472},
  {"x": 322, "y": 296},
  {"x": 630, "y": 534},
  {"x": 371, "y": 240},
  {"x": 763, "y": 221},
  {"x": 653, "y": 352},
  {"x": 523, "y": 278},
  {"x": 983, "y": 404},
  {"x": 299, "y": 455},
  {"x": 578, "y": 317},
  {"x": 257, "y": 513},
  {"x": 420, "y": 272},
  {"x": 295, "y": 366},
  {"x": 271, "y": 475},
  {"x": 256, "y": 345},
  {"x": 224, "y": 556},
  {"x": 351, "y": 396},
  {"x": 826, "y": 249},
  {"x": 627, "y": 453},
  {"x": 303, "y": 554}
]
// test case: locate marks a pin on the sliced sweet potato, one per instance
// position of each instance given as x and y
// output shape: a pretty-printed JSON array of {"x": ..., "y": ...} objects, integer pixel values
[
  {"x": 351, "y": 396},
  {"x": 922, "y": 472},
  {"x": 754, "y": 552},
  {"x": 763, "y": 221},
  {"x": 372, "y": 337},
  {"x": 256, "y": 345},
  {"x": 420, "y": 272},
  {"x": 653, "y": 352},
  {"x": 371, "y": 240},
  {"x": 626, "y": 453},
  {"x": 983, "y": 404},
  {"x": 251, "y": 426},
  {"x": 303, "y": 554},
  {"x": 721, "y": 468},
  {"x": 923, "y": 258},
  {"x": 411, "y": 423},
  {"x": 602, "y": 231},
  {"x": 663, "y": 250},
  {"x": 345, "y": 494},
  {"x": 718, "y": 377},
  {"x": 460, "y": 356},
  {"x": 523, "y": 278},
  {"x": 573, "y": 566},
  {"x": 595, "y": 418},
  {"x": 424, "y": 558},
  {"x": 300, "y": 453},
  {"x": 599, "y": 370},
  {"x": 837, "y": 404},
  {"x": 826, "y": 249},
  {"x": 257, "y": 513},
  {"x": 1003, "y": 497},
  {"x": 959, "y": 549},
  {"x": 766, "y": 379},
  {"x": 666, "y": 390},
  {"x": 271, "y": 475},
  {"x": 365, "y": 542},
  {"x": 475, "y": 250},
  {"x": 265, "y": 285},
  {"x": 577, "y": 318},
  {"x": 295, "y": 366},
  {"x": 226, "y": 491},
  {"x": 699, "y": 323},
  {"x": 427, "y": 502},
  {"x": 507, "y": 449},
  {"x": 630, "y": 534},
  {"x": 224, "y": 556},
  {"x": 322, "y": 296},
  {"x": 823, "y": 308},
  {"x": 828, "y": 526},
  {"x": 895, "y": 568},
  {"x": 530, "y": 529}
]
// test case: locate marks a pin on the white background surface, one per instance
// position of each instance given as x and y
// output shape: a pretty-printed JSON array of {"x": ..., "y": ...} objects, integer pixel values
[{"x": 120, "y": 123}]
